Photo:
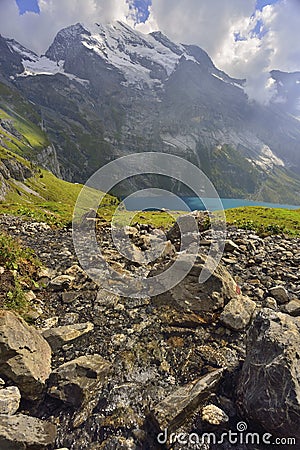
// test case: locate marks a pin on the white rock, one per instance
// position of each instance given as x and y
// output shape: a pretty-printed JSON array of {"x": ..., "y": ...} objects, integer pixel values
[
  {"x": 9, "y": 400},
  {"x": 214, "y": 415},
  {"x": 238, "y": 312}
]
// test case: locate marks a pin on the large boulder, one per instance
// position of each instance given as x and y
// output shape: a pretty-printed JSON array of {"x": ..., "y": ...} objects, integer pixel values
[
  {"x": 25, "y": 356},
  {"x": 21, "y": 432},
  {"x": 210, "y": 296},
  {"x": 269, "y": 386}
]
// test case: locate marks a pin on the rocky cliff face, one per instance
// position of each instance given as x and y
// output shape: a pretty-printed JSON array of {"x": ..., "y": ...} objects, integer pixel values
[{"x": 107, "y": 90}]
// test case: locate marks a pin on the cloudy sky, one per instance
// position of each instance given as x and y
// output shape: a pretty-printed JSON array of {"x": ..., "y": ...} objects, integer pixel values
[{"x": 245, "y": 38}]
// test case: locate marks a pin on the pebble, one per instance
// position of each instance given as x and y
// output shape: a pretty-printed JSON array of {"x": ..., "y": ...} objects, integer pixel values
[{"x": 214, "y": 415}]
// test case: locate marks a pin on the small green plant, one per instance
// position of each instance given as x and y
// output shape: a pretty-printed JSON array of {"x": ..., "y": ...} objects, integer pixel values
[
  {"x": 16, "y": 299},
  {"x": 14, "y": 257},
  {"x": 19, "y": 268}
]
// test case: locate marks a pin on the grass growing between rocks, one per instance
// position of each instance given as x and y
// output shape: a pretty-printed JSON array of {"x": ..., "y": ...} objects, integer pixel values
[
  {"x": 265, "y": 221},
  {"x": 158, "y": 219},
  {"x": 18, "y": 269}
]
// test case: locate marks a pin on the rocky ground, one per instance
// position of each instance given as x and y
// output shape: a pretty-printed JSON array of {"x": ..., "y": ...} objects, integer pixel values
[{"x": 102, "y": 371}]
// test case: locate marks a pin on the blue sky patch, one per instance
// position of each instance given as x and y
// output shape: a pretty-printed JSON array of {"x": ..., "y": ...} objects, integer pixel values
[
  {"x": 261, "y": 3},
  {"x": 28, "y": 5},
  {"x": 259, "y": 29},
  {"x": 142, "y": 7}
]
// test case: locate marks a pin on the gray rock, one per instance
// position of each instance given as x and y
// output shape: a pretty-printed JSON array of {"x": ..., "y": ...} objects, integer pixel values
[
  {"x": 16, "y": 169},
  {"x": 280, "y": 294},
  {"x": 9, "y": 400},
  {"x": 21, "y": 432},
  {"x": 189, "y": 294},
  {"x": 130, "y": 231},
  {"x": 238, "y": 312},
  {"x": 174, "y": 410},
  {"x": 70, "y": 296},
  {"x": 50, "y": 323},
  {"x": 292, "y": 308},
  {"x": 61, "y": 282},
  {"x": 231, "y": 246},
  {"x": 221, "y": 357},
  {"x": 57, "y": 337},
  {"x": 168, "y": 250},
  {"x": 269, "y": 386},
  {"x": 79, "y": 383},
  {"x": 25, "y": 355}
]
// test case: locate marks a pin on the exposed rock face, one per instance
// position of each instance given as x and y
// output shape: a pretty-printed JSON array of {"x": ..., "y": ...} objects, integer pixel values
[
  {"x": 48, "y": 158},
  {"x": 3, "y": 186},
  {"x": 269, "y": 386},
  {"x": 10, "y": 64},
  {"x": 9, "y": 168},
  {"x": 210, "y": 296},
  {"x": 8, "y": 125},
  {"x": 17, "y": 170},
  {"x": 21, "y": 432},
  {"x": 24, "y": 354}
]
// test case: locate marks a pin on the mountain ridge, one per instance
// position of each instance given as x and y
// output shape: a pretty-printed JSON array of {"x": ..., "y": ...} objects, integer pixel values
[{"x": 107, "y": 90}]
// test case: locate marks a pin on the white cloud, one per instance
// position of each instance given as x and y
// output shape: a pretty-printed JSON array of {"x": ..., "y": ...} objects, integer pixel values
[
  {"x": 284, "y": 34},
  {"x": 203, "y": 22},
  {"x": 248, "y": 57},
  {"x": 37, "y": 31}
]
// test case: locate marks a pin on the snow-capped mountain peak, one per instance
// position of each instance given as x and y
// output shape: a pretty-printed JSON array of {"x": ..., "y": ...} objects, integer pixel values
[
  {"x": 25, "y": 53},
  {"x": 140, "y": 57},
  {"x": 144, "y": 61}
]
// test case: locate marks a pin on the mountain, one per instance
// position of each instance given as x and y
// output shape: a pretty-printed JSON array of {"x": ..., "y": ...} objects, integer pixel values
[
  {"x": 26, "y": 188},
  {"x": 287, "y": 91},
  {"x": 104, "y": 91}
]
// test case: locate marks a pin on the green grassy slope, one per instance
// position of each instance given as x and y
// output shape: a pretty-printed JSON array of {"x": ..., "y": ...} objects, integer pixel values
[
  {"x": 265, "y": 220},
  {"x": 23, "y": 134},
  {"x": 42, "y": 195}
]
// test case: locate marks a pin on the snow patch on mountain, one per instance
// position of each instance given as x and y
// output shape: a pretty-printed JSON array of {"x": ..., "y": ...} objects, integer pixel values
[
  {"x": 267, "y": 159},
  {"x": 226, "y": 81},
  {"x": 140, "y": 57},
  {"x": 44, "y": 66},
  {"x": 26, "y": 54}
]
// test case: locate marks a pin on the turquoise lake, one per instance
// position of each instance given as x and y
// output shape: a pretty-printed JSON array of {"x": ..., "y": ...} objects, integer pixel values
[{"x": 194, "y": 203}]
